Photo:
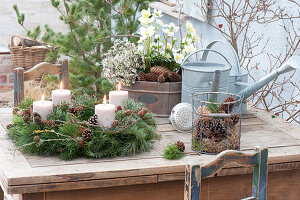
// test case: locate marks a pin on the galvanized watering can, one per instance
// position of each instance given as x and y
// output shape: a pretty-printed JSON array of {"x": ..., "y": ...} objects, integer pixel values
[
  {"x": 235, "y": 81},
  {"x": 197, "y": 76}
]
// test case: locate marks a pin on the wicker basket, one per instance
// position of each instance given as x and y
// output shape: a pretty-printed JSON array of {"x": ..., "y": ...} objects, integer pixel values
[{"x": 27, "y": 57}]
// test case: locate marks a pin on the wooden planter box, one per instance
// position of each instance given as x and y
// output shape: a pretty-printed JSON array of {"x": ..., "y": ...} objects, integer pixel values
[{"x": 160, "y": 98}]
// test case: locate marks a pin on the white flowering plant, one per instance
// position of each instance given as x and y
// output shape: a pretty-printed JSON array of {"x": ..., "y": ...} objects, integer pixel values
[
  {"x": 163, "y": 50},
  {"x": 122, "y": 62}
]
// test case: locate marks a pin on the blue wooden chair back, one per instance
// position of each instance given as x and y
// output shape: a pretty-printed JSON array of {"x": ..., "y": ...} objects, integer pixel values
[
  {"x": 61, "y": 69},
  {"x": 258, "y": 159}
]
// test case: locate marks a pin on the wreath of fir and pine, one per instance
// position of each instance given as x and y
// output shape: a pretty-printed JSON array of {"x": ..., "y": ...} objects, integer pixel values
[{"x": 71, "y": 131}]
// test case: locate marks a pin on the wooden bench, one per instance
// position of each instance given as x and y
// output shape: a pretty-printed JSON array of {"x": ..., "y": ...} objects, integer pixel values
[{"x": 61, "y": 69}]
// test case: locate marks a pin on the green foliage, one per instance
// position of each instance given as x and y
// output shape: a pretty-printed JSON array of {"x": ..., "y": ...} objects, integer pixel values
[
  {"x": 132, "y": 135},
  {"x": 92, "y": 25},
  {"x": 212, "y": 107},
  {"x": 26, "y": 103},
  {"x": 172, "y": 153}
]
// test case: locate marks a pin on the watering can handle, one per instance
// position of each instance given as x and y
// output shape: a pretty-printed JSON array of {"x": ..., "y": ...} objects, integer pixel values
[
  {"x": 236, "y": 67},
  {"x": 205, "y": 50}
]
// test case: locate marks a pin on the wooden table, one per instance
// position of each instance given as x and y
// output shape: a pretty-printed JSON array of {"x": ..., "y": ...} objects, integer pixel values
[{"x": 149, "y": 176}]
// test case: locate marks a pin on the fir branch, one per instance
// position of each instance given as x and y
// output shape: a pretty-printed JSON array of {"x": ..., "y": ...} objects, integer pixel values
[{"x": 173, "y": 153}]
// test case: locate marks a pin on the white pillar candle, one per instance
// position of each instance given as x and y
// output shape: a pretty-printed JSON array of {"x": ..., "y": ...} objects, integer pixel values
[
  {"x": 105, "y": 113},
  {"x": 116, "y": 97},
  {"x": 61, "y": 96},
  {"x": 43, "y": 108}
]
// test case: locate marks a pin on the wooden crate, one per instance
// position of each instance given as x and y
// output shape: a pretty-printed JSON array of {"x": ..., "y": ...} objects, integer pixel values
[{"x": 160, "y": 98}]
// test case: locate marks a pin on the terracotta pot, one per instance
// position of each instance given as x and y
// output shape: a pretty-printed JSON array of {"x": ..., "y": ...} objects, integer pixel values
[{"x": 160, "y": 98}]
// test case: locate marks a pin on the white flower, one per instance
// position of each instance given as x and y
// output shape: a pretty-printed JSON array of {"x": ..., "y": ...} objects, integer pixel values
[
  {"x": 189, "y": 48},
  {"x": 168, "y": 56},
  {"x": 159, "y": 22},
  {"x": 141, "y": 40},
  {"x": 141, "y": 48},
  {"x": 157, "y": 37},
  {"x": 195, "y": 37},
  {"x": 147, "y": 32},
  {"x": 173, "y": 28},
  {"x": 146, "y": 13},
  {"x": 169, "y": 46},
  {"x": 189, "y": 26},
  {"x": 178, "y": 58},
  {"x": 146, "y": 21},
  {"x": 157, "y": 13},
  {"x": 168, "y": 32},
  {"x": 187, "y": 40}
]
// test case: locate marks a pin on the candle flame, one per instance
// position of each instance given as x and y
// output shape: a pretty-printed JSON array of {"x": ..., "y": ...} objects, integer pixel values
[
  {"x": 104, "y": 99},
  {"x": 43, "y": 97},
  {"x": 119, "y": 86},
  {"x": 60, "y": 85}
]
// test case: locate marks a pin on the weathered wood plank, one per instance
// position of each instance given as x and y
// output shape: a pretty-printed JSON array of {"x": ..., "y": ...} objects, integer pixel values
[
  {"x": 42, "y": 68},
  {"x": 75, "y": 185}
]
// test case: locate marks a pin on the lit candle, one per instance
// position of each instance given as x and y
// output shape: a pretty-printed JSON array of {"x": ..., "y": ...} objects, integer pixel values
[
  {"x": 105, "y": 113},
  {"x": 116, "y": 97},
  {"x": 43, "y": 107},
  {"x": 61, "y": 95}
]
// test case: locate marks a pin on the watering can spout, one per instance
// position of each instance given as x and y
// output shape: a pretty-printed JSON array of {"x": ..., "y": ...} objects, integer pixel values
[{"x": 292, "y": 63}]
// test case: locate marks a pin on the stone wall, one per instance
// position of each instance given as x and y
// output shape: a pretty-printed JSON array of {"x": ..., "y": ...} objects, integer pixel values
[{"x": 6, "y": 73}]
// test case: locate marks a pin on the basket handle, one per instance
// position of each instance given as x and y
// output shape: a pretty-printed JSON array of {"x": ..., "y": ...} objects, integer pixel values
[
  {"x": 236, "y": 67},
  {"x": 12, "y": 41},
  {"x": 205, "y": 50}
]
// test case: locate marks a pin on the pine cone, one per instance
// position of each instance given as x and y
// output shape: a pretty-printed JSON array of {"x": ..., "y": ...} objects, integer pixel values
[
  {"x": 128, "y": 112},
  {"x": 93, "y": 120},
  {"x": 15, "y": 110},
  {"x": 36, "y": 138},
  {"x": 79, "y": 109},
  {"x": 81, "y": 143},
  {"x": 142, "y": 76},
  {"x": 227, "y": 108},
  {"x": 73, "y": 120},
  {"x": 37, "y": 119},
  {"x": 30, "y": 109},
  {"x": 203, "y": 110},
  {"x": 115, "y": 123},
  {"x": 218, "y": 129},
  {"x": 8, "y": 126},
  {"x": 233, "y": 120},
  {"x": 159, "y": 70},
  {"x": 26, "y": 116},
  {"x": 81, "y": 129},
  {"x": 87, "y": 134},
  {"x": 180, "y": 145},
  {"x": 142, "y": 112},
  {"x": 161, "y": 78},
  {"x": 119, "y": 108},
  {"x": 151, "y": 77},
  {"x": 166, "y": 75},
  {"x": 72, "y": 111},
  {"x": 20, "y": 113},
  {"x": 203, "y": 128},
  {"x": 49, "y": 123},
  {"x": 174, "y": 77}
]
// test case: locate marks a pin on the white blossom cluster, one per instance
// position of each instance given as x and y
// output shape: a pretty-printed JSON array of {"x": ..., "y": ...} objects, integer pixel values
[
  {"x": 150, "y": 41},
  {"x": 122, "y": 61}
]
